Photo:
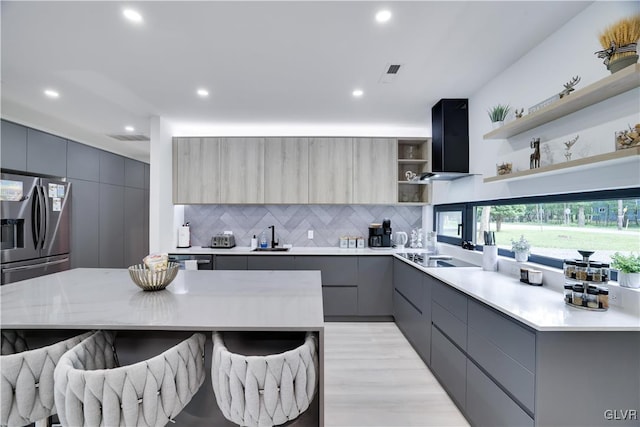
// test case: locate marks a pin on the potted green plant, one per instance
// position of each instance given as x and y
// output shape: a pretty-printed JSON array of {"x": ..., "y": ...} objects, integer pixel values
[
  {"x": 497, "y": 115},
  {"x": 628, "y": 267},
  {"x": 521, "y": 249}
]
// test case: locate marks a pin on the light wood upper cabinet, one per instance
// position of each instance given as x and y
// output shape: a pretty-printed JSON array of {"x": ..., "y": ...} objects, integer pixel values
[
  {"x": 196, "y": 175},
  {"x": 286, "y": 171},
  {"x": 242, "y": 170},
  {"x": 330, "y": 170},
  {"x": 374, "y": 170}
]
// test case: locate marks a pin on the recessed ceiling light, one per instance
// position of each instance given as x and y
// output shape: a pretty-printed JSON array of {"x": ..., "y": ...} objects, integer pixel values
[
  {"x": 203, "y": 92},
  {"x": 129, "y": 128},
  {"x": 51, "y": 93},
  {"x": 132, "y": 15},
  {"x": 357, "y": 93},
  {"x": 383, "y": 16}
]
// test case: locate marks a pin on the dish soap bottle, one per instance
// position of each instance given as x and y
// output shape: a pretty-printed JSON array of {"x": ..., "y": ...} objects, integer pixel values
[{"x": 254, "y": 243}]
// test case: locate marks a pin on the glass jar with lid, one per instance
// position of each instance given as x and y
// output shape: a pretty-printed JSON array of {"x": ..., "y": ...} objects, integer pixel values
[
  {"x": 577, "y": 297},
  {"x": 581, "y": 271},
  {"x": 604, "y": 269},
  {"x": 603, "y": 298},
  {"x": 568, "y": 292},
  {"x": 592, "y": 297},
  {"x": 594, "y": 273},
  {"x": 569, "y": 267}
]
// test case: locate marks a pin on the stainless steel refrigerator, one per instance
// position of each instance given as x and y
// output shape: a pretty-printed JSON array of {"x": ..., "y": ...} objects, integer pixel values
[{"x": 35, "y": 226}]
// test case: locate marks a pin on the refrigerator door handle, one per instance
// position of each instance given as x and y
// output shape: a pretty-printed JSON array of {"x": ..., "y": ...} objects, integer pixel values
[
  {"x": 33, "y": 266},
  {"x": 45, "y": 215},
  {"x": 35, "y": 217}
]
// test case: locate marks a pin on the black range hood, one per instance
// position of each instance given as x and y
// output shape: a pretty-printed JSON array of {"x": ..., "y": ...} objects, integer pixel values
[{"x": 450, "y": 140}]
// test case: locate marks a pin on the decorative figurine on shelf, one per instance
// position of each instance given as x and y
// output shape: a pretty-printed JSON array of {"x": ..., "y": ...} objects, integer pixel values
[
  {"x": 534, "y": 158},
  {"x": 628, "y": 138},
  {"x": 567, "y": 147},
  {"x": 504, "y": 168},
  {"x": 519, "y": 113},
  {"x": 569, "y": 86},
  {"x": 410, "y": 175}
]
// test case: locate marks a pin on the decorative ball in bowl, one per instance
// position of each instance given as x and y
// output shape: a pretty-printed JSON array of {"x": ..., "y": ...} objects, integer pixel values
[{"x": 153, "y": 280}]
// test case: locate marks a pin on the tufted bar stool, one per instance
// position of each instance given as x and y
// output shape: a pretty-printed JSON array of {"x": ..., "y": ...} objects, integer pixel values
[
  {"x": 264, "y": 390},
  {"x": 92, "y": 390},
  {"x": 27, "y": 379}
]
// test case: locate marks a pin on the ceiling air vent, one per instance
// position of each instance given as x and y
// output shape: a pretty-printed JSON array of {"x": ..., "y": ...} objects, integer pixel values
[
  {"x": 129, "y": 137},
  {"x": 390, "y": 73}
]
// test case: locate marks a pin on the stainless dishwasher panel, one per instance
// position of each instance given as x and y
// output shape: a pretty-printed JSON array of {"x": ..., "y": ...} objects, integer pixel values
[{"x": 205, "y": 262}]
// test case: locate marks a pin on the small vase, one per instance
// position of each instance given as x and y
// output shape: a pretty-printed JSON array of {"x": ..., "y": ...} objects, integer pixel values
[
  {"x": 496, "y": 125},
  {"x": 629, "y": 280},
  {"x": 522, "y": 256},
  {"x": 618, "y": 64}
]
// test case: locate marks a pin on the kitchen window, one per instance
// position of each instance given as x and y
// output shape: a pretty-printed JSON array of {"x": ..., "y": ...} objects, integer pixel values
[{"x": 556, "y": 226}]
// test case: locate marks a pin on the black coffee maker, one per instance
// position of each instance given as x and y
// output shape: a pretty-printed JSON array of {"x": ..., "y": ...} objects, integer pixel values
[{"x": 380, "y": 234}]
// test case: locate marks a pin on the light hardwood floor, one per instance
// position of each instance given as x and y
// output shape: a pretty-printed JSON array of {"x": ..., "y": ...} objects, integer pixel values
[{"x": 373, "y": 377}]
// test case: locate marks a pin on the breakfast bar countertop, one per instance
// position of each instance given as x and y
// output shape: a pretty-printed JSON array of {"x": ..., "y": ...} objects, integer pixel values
[{"x": 87, "y": 298}]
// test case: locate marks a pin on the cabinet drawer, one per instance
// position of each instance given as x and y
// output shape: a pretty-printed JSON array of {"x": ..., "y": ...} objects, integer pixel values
[
  {"x": 409, "y": 282},
  {"x": 449, "y": 364},
  {"x": 336, "y": 270},
  {"x": 270, "y": 262},
  {"x": 450, "y": 299},
  {"x": 519, "y": 381},
  {"x": 450, "y": 325},
  {"x": 340, "y": 301},
  {"x": 487, "y": 405},
  {"x": 231, "y": 262},
  {"x": 514, "y": 340},
  {"x": 412, "y": 325}
]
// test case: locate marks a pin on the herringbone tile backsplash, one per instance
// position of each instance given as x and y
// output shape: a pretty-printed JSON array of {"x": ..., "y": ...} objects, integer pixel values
[{"x": 293, "y": 221}]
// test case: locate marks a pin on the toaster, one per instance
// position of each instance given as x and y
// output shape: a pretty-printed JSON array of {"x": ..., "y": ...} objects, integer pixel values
[{"x": 223, "y": 241}]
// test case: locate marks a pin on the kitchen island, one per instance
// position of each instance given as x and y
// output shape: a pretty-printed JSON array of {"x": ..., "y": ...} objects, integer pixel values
[{"x": 86, "y": 299}]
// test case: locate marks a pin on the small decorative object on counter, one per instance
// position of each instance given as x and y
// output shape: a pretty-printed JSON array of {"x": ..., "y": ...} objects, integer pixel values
[
  {"x": 524, "y": 275},
  {"x": 352, "y": 242},
  {"x": 360, "y": 242},
  {"x": 569, "y": 86},
  {"x": 618, "y": 42},
  {"x": 567, "y": 147},
  {"x": 581, "y": 288},
  {"x": 628, "y": 138},
  {"x": 534, "y": 158},
  {"x": 344, "y": 242},
  {"x": 521, "y": 249},
  {"x": 535, "y": 277},
  {"x": 504, "y": 168}
]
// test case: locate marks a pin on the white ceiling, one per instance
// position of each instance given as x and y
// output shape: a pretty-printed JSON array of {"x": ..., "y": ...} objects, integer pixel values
[{"x": 272, "y": 68}]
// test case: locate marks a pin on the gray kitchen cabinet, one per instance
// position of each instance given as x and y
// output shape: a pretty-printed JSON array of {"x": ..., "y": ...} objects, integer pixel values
[
  {"x": 14, "y": 146},
  {"x": 375, "y": 286},
  {"x": 270, "y": 262},
  {"x": 83, "y": 162},
  {"x": 375, "y": 171},
  {"x": 85, "y": 223},
  {"x": 286, "y": 170},
  {"x": 487, "y": 405},
  {"x": 449, "y": 313},
  {"x": 196, "y": 170},
  {"x": 449, "y": 365},
  {"x": 111, "y": 168},
  {"x": 330, "y": 170},
  {"x": 147, "y": 175},
  {"x": 46, "y": 153},
  {"x": 133, "y": 173},
  {"x": 230, "y": 262},
  {"x": 242, "y": 170},
  {"x": 339, "y": 282},
  {"x": 411, "y": 307},
  {"x": 111, "y": 241},
  {"x": 135, "y": 245}
]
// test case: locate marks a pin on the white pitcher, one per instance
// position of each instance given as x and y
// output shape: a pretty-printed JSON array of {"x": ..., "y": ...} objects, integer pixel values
[{"x": 400, "y": 239}]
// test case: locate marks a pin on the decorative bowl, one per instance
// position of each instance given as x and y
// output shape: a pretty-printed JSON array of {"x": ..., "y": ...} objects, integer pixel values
[{"x": 153, "y": 281}]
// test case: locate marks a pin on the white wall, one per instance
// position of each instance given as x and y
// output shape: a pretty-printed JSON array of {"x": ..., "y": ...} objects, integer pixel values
[{"x": 539, "y": 74}]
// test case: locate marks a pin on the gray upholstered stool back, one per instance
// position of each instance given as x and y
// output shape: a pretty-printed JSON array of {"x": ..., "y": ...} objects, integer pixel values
[
  {"x": 12, "y": 342},
  {"x": 91, "y": 391},
  {"x": 27, "y": 380},
  {"x": 264, "y": 390}
]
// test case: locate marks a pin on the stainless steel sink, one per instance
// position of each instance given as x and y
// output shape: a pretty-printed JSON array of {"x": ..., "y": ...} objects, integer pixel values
[{"x": 271, "y": 249}]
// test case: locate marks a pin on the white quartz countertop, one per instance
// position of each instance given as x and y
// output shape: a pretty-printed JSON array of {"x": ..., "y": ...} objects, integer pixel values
[
  {"x": 196, "y": 300},
  {"x": 302, "y": 250},
  {"x": 540, "y": 308}
]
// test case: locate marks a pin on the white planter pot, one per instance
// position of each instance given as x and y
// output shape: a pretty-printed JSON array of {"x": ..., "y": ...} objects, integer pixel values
[
  {"x": 522, "y": 256},
  {"x": 496, "y": 125},
  {"x": 629, "y": 280}
]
